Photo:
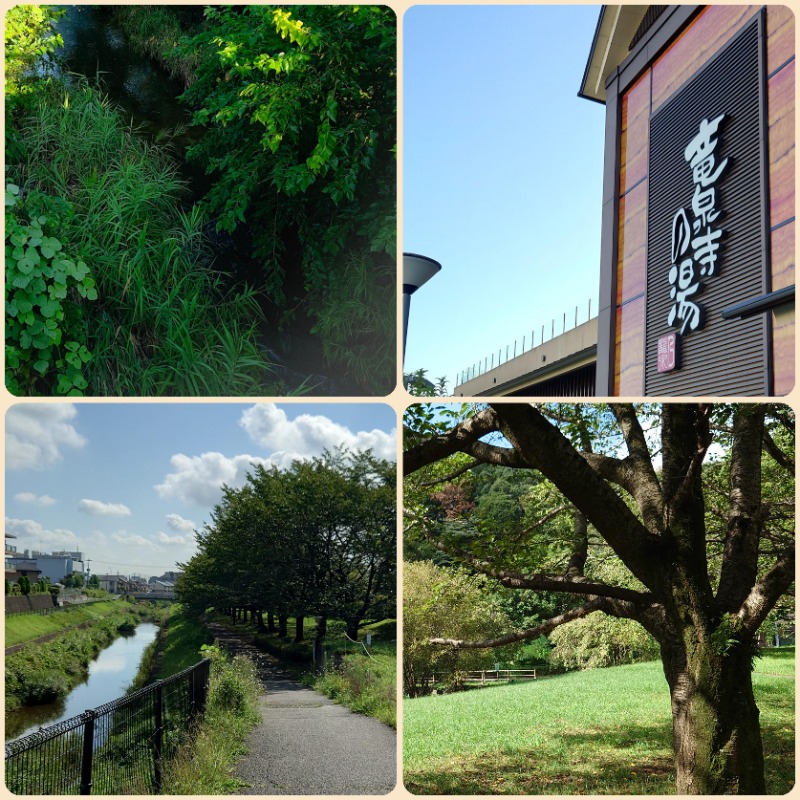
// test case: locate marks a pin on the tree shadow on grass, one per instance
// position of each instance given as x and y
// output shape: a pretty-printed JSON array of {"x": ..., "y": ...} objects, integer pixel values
[{"x": 620, "y": 760}]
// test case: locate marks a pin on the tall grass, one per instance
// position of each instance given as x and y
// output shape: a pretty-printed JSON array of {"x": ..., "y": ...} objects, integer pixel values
[
  {"x": 204, "y": 764},
  {"x": 605, "y": 731},
  {"x": 163, "y": 324},
  {"x": 155, "y": 31}
]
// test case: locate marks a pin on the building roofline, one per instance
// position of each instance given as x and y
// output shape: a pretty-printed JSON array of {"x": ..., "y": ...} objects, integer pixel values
[{"x": 616, "y": 27}]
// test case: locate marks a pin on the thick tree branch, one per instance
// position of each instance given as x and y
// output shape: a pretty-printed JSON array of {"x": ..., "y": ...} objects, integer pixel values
[
  {"x": 782, "y": 459},
  {"x": 458, "y": 440},
  {"x": 541, "y": 443},
  {"x": 740, "y": 555},
  {"x": 639, "y": 476},
  {"x": 766, "y": 593},
  {"x": 530, "y": 633},
  {"x": 614, "y": 608},
  {"x": 545, "y": 582}
]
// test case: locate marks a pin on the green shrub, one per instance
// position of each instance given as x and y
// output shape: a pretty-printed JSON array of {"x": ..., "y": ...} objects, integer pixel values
[
  {"x": 601, "y": 641},
  {"x": 45, "y": 686}
]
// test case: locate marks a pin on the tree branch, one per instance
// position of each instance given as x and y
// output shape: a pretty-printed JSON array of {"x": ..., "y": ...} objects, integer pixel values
[
  {"x": 530, "y": 633},
  {"x": 458, "y": 440},
  {"x": 545, "y": 582},
  {"x": 767, "y": 592},
  {"x": 452, "y": 476},
  {"x": 543, "y": 445},
  {"x": 780, "y": 458}
]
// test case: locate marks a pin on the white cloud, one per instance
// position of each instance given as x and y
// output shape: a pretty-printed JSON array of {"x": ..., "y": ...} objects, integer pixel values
[
  {"x": 178, "y": 523},
  {"x": 123, "y": 537},
  {"x": 96, "y": 508},
  {"x": 309, "y": 435},
  {"x": 34, "y": 499},
  {"x": 36, "y": 433},
  {"x": 199, "y": 479},
  {"x": 165, "y": 538},
  {"x": 33, "y": 535}
]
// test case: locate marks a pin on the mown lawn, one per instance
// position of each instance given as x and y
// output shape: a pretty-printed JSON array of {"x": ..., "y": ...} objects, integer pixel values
[{"x": 604, "y": 731}]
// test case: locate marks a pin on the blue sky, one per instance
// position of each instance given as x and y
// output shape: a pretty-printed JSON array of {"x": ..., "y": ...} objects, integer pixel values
[
  {"x": 127, "y": 484},
  {"x": 502, "y": 177}
]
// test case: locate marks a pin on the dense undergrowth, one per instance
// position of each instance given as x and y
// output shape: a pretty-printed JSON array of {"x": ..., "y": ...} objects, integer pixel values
[
  {"x": 159, "y": 321},
  {"x": 46, "y": 672},
  {"x": 112, "y": 288},
  {"x": 204, "y": 763}
]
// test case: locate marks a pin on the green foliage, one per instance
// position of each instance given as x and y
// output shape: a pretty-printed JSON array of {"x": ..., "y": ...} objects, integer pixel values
[
  {"x": 355, "y": 317},
  {"x": 322, "y": 533},
  {"x": 24, "y": 583},
  {"x": 601, "y": 641},
  {"x": 299, "y": 120},
  {"x": 29, "y": 42},
  {"x": 46, "y": 330},
  {"x": 444, "y": 603},
  {"x": 417, "y": 383}
]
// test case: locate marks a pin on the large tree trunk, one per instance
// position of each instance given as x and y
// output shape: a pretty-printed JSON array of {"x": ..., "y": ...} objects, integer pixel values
[
  {"x": 715, "y": 727},
  {"x": 298, "y": 629}
]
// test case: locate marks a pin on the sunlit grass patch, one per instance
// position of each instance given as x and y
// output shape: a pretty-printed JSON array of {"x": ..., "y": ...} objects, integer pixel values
[{"x": 605, "y": 731}]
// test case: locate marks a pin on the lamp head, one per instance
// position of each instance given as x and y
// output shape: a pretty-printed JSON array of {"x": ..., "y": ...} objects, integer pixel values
[{"x": 417, "y": 270}]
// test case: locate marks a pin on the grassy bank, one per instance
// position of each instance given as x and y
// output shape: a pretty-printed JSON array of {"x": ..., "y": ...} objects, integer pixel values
[
  {"x": 45, "y": 673},
  {"x": 605, "y": 731},
  {"x": 365, "y": 678},
  {"x": 204, "y": 764},
  {"x": 25, "y": 627},
  {"x": 155, "y": 31}
]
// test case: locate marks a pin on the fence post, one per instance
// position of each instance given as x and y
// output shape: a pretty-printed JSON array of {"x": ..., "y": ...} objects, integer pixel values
[
  {"x": 158, "y": 739},
  {"x": 202, "y": 693},
  {"x": 88, "y": 751}
]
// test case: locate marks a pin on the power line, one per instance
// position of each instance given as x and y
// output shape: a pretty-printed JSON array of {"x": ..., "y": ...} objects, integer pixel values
[{"x": 123, "y": 564}]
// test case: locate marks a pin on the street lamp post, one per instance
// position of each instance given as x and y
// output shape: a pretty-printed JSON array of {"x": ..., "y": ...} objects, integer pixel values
[{"x": 417, "y": 271}]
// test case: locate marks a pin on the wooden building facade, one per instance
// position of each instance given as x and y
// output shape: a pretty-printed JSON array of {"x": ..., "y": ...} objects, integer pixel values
[{"x": 698, "y": 238}]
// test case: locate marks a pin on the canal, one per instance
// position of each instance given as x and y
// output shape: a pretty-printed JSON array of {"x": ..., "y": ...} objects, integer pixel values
[{"x": 110, "y": 674}]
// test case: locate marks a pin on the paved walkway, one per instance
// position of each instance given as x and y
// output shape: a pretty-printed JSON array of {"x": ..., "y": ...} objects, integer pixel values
[{"x": 306, "y": 743}]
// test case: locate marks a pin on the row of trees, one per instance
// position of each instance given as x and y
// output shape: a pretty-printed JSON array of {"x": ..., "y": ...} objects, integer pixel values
[
  {"x": 678, "y": 518},
  {"x": 318, "y": 539}
]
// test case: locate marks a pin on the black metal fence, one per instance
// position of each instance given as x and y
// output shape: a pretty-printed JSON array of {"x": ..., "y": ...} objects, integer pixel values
[{"x": 118, "y": 748}]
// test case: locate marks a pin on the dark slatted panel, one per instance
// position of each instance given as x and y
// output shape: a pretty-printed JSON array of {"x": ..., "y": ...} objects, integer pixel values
[
  {"x": 724, "y": 357},
  {"x": 651, "y": 15},
  {"x": 577, "y": 383}
]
